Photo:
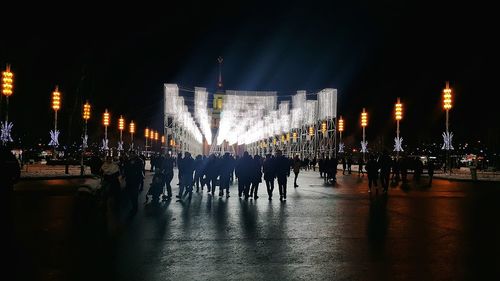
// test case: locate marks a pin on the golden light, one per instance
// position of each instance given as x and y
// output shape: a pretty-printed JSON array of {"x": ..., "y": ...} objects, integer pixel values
[
  {"x": 156, "y": 136},
  {"x": 447, "y": 97},
  {"x": 364, "y": 118},
  {"x": 86, "y": 111},
  {"x": 146, "y": 133},
  {"x": 294, "y": 136},
  {"x": 105, "y": 120},
  {"x": 311, "y": 131},
  {"x": 399, "y": 110},
  {"x": 323, "y": 127},
  {"x": 151, "y": 135},
  {"x": 287, "y": 136},
  {"x": 172, "y": 142},
  {"x": 121, "y": 123},
  {"x": 7, "y": 81},
  {"x": 163, "y": 139},
  {"x": 282, "y": 138},
  {"x": 132, "y": 127},
  {"x": 341, "y": 124},
  {"x": 56, "y": 99}
]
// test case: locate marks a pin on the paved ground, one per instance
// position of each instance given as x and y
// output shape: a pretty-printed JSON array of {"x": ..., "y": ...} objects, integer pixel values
[{"x": 450, "y": 231}]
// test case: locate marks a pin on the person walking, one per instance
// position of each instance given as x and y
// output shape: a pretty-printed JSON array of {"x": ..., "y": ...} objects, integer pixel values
[
  {"x": 226, "y": 169},
  {"x": 187, "y": 175},
  {"x": 361, "y": 166},
  {"x": 430, "y": 171},
  {"x": 110, "y": 183},
  {"x": 198, "y": 172},
  {"x": 256, "y": 176},
  {"x": 349, "y": 164},
  {"x": 168, "y": 171},
  {"x": 344, "y": 165},
  {"x": 372, "y": 171},
  {"x": 133, "y": 176},
  {"x": 384, "y": 163},
  {"x": 296, "y": 169},
  {"x": 269, "y": 174},
  {"x": 282, "y": 172}
]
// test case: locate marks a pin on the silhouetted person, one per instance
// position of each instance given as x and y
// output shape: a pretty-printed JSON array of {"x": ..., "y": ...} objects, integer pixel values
[
  {"x": 332, "y": 169},
  {"x": 10, "y": 172},
  {"x": 430, "y": 171},
  {"x": 313, "y": 163},
  {"x": 282, "y": 172},
  {"x": 344, "y": 165},
  {"x": 179, "y": 169},
  {"x": 321, "y": 167},
  {"x": 168, "y": 171},
  {"x": 256, "y": 176},
  {"x": 269, "y": 168},
  {"x": 384, "y": 163},
  {"x": 110, "y": 182},
  {"x": 143, "y": 159},
  {"x": 187, "y": 175},
  {"x": 349, "y": 164},
  {"x": 211, "y": 173},
  {"x": 296, "y": 169},
  {"x": 226, "y": 169},
  {"x": 245, "y": 173},
  {"x": 403, "y": 165},
  {"x": 361, "y": 164},
  {"x": 198, "y": 172},
  {"x": 372, "y": 171},
  {"x": 133, "y": 176},
  {"x": 419, "y": 169}
]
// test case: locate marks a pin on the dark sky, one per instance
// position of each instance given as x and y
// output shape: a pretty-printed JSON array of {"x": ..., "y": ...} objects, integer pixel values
[{"x": 119, "y": 58}]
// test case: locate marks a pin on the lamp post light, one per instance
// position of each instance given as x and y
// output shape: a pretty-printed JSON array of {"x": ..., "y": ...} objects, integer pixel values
[
  {"x": 398, "y": 114},
  {"x": 56, "y": 105},
  {"x": 146, "y": 134},
  {"x": 105, "y": 122},
  {"x": 151, "y": 139},
  {"x": 447, "y": 136},
  {"x": 364, "y": 123},
  {"x": 86, "y": 117},
  {"x": 7, "y": 91},
  {"x": 163, "y": 142},
  {"x": 341, "y": 129},
  {"x": 121, "y": 127},
  {"x": 132, "y": 132}
]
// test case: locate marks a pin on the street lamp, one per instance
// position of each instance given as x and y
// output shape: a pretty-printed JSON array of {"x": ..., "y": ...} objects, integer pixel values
[
  {"x": 56, "y": 105},
  {"x": 398, "y": 114},
  {"x": 132, "y": 132},
  {"x": 86, "y": 117},
  {"x": 146, "y": 134},
  {"x": 121, "y": 127},
  {"x": 7, "y": 91},
  {"x": 447, "y": 136},
  {"x": 105, "y": 122},
  {"x": 341, "y": 129},
  {"x": 364, "y": 123}
]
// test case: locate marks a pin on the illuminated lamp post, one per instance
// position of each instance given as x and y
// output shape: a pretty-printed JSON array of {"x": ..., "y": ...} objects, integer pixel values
[
  {"x": 398, "y": 141},
  {"x": 86, "y": 117},
  {"x": 7, "y": 91},
  {"x": 121, "y": 127},
  {"x": 146, "y": 135},
  {"x": 105, "y": 122},
  {"x": 156, "y": 138},
  {"x": 56, "y": 105},
  {"x": 364, "y": 143},
  {"x": 341, "y": 129},
  {"x": 447, "y": 136},
  {"x": 132, "y": 132}
]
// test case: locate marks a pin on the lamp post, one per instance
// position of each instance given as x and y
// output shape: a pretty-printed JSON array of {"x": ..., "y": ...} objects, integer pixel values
[
  {"x": 447, "y": 136},
  {"x": 341, "y": 129},
  {"x": 146, "y": 134},
  {"x": 105, "y": 122},
  {"x": 86, "y": 117},
  {"x": 7, "y": 91},
  {"x": 56, "y": 105},
  {"x": 132, "y": 132},
  {"x": 398, "y": 114},
  {"x": 121, "y": 127},
  {"x": 364, "y": 123}
]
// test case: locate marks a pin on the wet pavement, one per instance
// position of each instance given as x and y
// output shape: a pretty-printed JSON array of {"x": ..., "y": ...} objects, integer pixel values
[{"x": 450, "y": 231}]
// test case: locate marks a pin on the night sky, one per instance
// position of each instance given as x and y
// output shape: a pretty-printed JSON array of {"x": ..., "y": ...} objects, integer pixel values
[{"x": 119, "y": 58}]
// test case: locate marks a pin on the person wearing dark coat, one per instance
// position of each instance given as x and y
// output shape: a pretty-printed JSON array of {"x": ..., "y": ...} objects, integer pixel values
[
  {"x": 226, "y": 170},
  {"x": 211, "y": 173},
  {"x": 187, "y": 175},
  {"x": 269, "y": 174},
  {"x": 245, "y": 173},
  {"x": 344, "y": 165},
  {"x": 168, "y": 171},
  {"x": 256, "y": 177},
  {"x": 282, "y": 165},
  {"x": 372, "y": 171},
  {"x": 384, "y": 163},
  {"x": 349, "y": 164},
  {"x": 198, "y": 172},
  {"x": 133, "y": 173},
  {"x": 10, "y": 173}
]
